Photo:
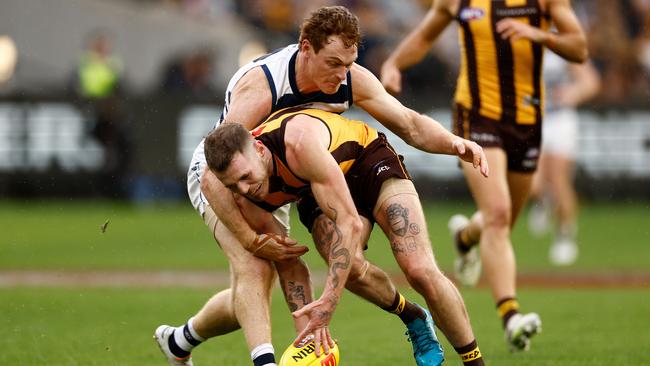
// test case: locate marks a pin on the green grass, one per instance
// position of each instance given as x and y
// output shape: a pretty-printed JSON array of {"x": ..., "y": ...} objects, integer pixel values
[
  {"x": 64, "y": 235},
  {"x": 100, "y": 326},
  {"x": 73, "y": 326}
]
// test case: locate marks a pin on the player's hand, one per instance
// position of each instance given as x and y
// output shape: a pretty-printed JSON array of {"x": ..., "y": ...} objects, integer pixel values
[
  {"x": 514, "y": 30},
  {"x": 391, "y": 78},
  {"x": 319, "y": 314},
  {"x": 276, "y": 248},
  {"x": 471, "y": 152}
]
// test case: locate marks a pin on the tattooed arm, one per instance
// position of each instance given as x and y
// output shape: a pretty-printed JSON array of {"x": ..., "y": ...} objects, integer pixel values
[{"x": 306, "y": 141}]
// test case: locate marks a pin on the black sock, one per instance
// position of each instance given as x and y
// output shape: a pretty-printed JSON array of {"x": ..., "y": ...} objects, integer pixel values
[
  {"x": 470, "y": 354},
  {"x": 406, "y": 310},
  {"x": 463, "y": 244},
  {"x": 174, "y": 348},
  {"x": 264, "y": 359}
]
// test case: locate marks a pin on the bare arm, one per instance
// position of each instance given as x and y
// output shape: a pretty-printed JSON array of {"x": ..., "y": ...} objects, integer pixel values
[
  {"x": 307, "y": 155},
  {"x": 584, "y": 86},
  {"x": 292, "y": 270},
  {"x": 569, "y": 42},
  {"x": 415, "y": 46},
  {"x": 250, "y": 101},
  {"x": 416, "y": 129}
]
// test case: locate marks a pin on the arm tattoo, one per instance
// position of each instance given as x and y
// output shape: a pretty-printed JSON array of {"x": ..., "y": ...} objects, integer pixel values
[
  {"x": 294, "y": 294},
  {"x": 336, "y": 251},
  {"x": 287, "y": 295},
  {"x": 398, "y": 218}
]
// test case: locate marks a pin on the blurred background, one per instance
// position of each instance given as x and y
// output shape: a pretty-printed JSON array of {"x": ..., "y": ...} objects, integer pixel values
[{"x": 107, "y": 99}]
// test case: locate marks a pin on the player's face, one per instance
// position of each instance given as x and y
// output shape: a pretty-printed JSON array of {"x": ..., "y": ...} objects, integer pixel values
[
  {"x": 328, "y": 68},
  {"x": 246, "y": 175}
]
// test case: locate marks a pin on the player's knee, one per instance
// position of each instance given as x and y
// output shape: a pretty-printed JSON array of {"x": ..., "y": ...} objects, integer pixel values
[
  {"x": 497, "y": 216},
  {"x": 423, "y": 278}
]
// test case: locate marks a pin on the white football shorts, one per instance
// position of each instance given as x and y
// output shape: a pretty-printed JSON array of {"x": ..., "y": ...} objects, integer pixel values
[{"x": 560, "y": 133}]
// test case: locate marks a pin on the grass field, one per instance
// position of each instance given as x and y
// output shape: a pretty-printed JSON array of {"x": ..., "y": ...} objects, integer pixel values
[{"x": 113, "y": 326}]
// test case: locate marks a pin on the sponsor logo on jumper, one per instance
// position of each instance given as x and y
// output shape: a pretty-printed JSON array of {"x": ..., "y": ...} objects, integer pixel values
[
  {"x": 469, "y": 14},
  {"x": 382, "y": 168},
  {"x": 516, "y": 12},
  {"x": 532, "y": 152},
  {"x": 485, "y": 137},
  {"x": 529, "y": 100}
]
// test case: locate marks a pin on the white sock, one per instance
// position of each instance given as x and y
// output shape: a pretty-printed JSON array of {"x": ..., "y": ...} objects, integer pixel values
[
  {"x": 262, "y": 350},
  {"x": 185, "y": 334},
  {"x": 193, "y": 332}
]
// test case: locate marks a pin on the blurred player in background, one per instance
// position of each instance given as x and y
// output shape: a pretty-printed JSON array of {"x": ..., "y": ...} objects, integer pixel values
[
  {"x": 319, "y": 72},
  {"x": 568, "y": 85},
  {"x": 498, "y": 104}
]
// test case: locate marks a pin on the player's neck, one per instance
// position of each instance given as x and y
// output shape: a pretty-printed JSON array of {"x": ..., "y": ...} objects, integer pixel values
[
  {"x": 267, "y": 159},
  {"x": 304, "y": 83}
]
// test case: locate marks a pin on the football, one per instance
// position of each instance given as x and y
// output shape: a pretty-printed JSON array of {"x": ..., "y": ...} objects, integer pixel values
[{"x": 305, "y": 355}]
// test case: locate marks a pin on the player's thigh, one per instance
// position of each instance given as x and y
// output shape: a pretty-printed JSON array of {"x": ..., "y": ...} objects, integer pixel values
[
  {"x": 240, "y": 259},
  {"x": 402, "y": 220},
  {"x": 492, "y": 195}
]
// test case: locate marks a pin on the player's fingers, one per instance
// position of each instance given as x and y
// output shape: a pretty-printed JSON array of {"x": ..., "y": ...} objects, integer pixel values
[
  {"x": 325, "y": 340},
  {"x": 503, "y": 24},
  {"x": 330, "y": 340},
  {"x": 300, "y": 312},
  {"x": 289, "y": 241},
  {"x": 485, "y": 169},
  {"x": 476, "y": 156},
  {"x": 317, "y": 341},
  {"x": 300, "y": 250}
]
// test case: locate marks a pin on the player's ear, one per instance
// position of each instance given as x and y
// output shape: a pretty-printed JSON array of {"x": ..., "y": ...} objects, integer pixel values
[
  {"x": 305, "y": 46},
  {"x": 259, "y": 147}
]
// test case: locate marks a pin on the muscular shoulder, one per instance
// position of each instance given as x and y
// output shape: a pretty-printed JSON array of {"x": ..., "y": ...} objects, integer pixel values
[
  {"x": 254, "y": 81},
  {"x": 250, "y": 99},
  {"x": 303, "y": 130}
]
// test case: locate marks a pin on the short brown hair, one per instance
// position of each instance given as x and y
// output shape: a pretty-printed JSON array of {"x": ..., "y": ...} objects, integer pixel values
[
  {"x": 331, "y": 21},
  {"x": 221, "y": 145}
]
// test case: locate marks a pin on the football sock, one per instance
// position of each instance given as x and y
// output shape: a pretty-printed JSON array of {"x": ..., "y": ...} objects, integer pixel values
[
  {"x": 263, "y": 355},
  {"x": 507, "y": 307},
  {"x": 184, "y": 340},
  {"x": 406, "y": 310},
  {"x": 463, "y": 242},
  {"x": 470, "y": 354},
  {"x": 566, "y": 232}
]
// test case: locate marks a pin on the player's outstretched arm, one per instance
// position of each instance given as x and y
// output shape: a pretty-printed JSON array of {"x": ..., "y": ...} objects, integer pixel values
[
  {"x": 306, "y": 140},
  {"x": 418, "y": 130}
]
